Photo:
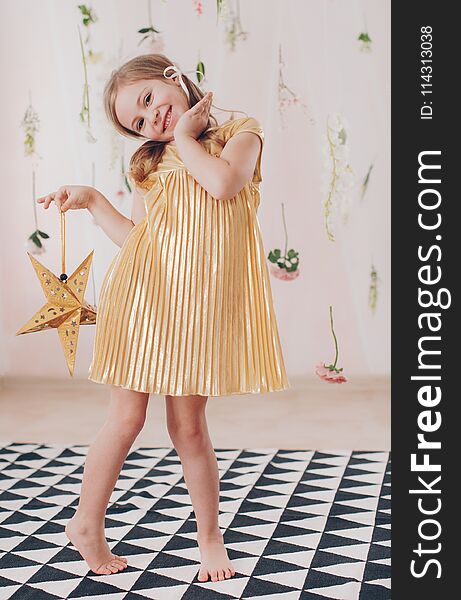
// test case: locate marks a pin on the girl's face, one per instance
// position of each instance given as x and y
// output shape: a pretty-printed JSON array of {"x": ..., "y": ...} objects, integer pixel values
[{"x": 148, "y": 105}]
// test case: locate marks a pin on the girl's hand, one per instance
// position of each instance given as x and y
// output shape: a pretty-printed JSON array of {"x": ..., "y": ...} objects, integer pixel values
[
  {"x": 194, "y": 120},
  {"x": 69, "y": 197}
]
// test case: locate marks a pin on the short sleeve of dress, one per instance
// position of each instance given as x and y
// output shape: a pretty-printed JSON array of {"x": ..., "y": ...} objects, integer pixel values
[
  {"x": 142, "y": 186},
  {"x": 134, "y": 184},
  {"x": 248, "y": 124}
]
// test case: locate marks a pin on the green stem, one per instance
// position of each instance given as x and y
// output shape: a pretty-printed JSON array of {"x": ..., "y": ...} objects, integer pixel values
[
  {"x": 285, "y": 228},
  {"x": 334, "y": 337},
  {"x": 33, "y": 200},
  {"x": 86, "y": 95},
  {"x": 334, "y": 176},
  {"x": 281, "y": 82},
  {"x": 240, "y": 28},
  {"x": 149, "y": 13}
]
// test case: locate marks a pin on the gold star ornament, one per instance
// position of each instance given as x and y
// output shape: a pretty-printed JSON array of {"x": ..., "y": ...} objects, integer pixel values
[{"x": 65, "y": 308}]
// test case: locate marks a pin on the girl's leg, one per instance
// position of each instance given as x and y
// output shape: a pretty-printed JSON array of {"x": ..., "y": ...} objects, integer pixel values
[
  {"x": 103, "y": 464},
  {"x": 189, "y": 433}
]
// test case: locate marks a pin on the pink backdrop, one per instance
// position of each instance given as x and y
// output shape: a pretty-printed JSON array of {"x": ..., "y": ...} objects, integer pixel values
[{"x": 323, "y": 63}]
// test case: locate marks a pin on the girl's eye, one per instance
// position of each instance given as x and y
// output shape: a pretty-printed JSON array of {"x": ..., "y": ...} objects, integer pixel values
[{"x": 141, "y": 121}]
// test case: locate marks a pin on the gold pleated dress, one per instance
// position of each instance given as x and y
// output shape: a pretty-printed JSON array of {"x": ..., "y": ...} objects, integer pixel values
[{"x": 186, "y": 307}]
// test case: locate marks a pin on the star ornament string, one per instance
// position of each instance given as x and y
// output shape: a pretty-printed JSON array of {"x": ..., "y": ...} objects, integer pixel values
[{"x": 65, "y": 308}]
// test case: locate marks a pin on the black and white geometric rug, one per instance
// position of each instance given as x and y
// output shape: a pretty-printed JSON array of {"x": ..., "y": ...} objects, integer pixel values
[{"x": 297, "y": 525}]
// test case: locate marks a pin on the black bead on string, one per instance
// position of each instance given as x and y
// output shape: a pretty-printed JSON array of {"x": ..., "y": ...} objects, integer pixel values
[{"x": 63, "y": 277}]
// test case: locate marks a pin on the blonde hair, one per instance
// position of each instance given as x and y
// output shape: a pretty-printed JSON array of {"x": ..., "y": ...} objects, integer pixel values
[{"x": 149, "y": 66}]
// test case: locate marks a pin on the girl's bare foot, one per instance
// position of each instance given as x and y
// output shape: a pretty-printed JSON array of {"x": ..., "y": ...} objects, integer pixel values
[
  {"x": 94, "y": 548},
  {"x": 214, "y": 559}
]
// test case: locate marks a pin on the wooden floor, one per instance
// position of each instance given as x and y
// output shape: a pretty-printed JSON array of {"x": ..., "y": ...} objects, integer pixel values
[{"x": 313, "y": 415}]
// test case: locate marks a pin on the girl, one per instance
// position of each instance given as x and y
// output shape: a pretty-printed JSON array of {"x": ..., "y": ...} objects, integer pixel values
[{"x": 185, "y": 308}]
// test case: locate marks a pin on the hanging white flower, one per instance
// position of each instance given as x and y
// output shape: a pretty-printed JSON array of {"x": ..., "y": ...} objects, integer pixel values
[
  {"x": 335, "y": 122},
  {"x": 341, "y": 151},
  {"x": 94, "y": 57},
  {"x": 338, "y": 173},
  {"x": 32, "y": 247},
  {"x": 90, "y": 137},
  {"x": 157, "y": 44}
]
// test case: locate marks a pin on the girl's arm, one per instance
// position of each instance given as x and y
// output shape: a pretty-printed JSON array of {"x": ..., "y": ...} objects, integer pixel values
[
  {"x": 114, "y": 224},
  {"x": 224, "y": 176},
  {"x": 138, "y": 208}
]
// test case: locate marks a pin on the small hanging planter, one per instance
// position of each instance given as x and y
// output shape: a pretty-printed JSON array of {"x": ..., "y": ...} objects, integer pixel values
[{"x": 284, "y": 267}]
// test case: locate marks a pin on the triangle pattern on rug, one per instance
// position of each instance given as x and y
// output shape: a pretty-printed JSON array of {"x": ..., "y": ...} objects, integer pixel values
[{"x": 297, "y": 524}]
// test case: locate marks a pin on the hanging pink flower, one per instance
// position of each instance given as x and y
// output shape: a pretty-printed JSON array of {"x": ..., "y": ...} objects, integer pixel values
[
  {"x": 283, "y": 274},
  {"x": 330, "y": 376},
  {"x": 287, "y": 97},
  {"x": 331, "y": 373},
  {"x": 198, "y": 7}
]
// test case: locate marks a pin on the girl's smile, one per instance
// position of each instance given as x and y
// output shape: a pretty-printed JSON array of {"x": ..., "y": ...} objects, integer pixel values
[
  {"x": 167, "y": 119},
  {"x": 151, "y": 108}
]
